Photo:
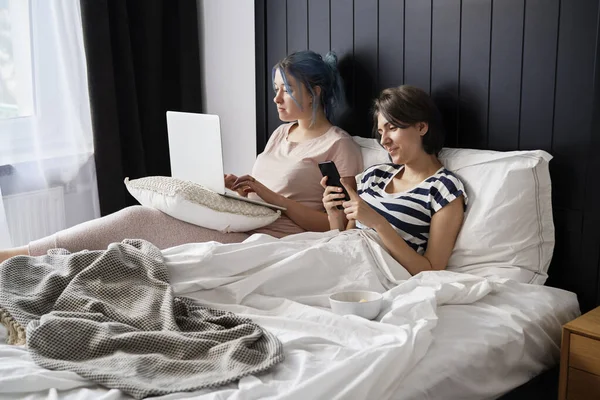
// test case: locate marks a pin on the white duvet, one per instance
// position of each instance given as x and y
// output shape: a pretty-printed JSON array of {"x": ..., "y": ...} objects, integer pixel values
[{"x": 435, "y": 329}]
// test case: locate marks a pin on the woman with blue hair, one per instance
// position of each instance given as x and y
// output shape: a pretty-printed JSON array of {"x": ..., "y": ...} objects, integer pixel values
[{"x": 307, "y": 93}]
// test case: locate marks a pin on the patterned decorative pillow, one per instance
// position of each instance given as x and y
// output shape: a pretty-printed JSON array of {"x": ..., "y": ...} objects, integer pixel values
[{"x": 197, "y": 205}]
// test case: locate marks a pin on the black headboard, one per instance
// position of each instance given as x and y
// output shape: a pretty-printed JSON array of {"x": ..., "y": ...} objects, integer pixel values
[{"x": 506, "y": 75}]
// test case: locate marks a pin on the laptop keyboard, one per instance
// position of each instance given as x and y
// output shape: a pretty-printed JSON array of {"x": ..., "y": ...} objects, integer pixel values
[{"x": 232, "y": 192}]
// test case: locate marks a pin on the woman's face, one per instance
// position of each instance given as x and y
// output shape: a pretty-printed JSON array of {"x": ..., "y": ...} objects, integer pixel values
[
  {"x": 287, "y": 108},
  {"x": 403, "y": 143}
]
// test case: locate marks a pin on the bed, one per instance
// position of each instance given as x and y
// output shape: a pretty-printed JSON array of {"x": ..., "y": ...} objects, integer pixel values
[
  {"x": 477, "y": 330},
  {"x": 482, "y": 327},
  {"x": 498, "y": 330},
  {"x": 441, "y": 374}
]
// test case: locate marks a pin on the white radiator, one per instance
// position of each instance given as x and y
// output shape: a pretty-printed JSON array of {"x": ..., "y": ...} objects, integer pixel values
[{"x": 33, "y": 215}]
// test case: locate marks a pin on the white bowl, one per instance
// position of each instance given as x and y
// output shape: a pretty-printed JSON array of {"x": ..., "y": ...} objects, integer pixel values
[{"x": 343, "y": 303}]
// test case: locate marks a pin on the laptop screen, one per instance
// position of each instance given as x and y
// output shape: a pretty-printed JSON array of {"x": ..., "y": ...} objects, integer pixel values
[{"x": 195, "y": 149}]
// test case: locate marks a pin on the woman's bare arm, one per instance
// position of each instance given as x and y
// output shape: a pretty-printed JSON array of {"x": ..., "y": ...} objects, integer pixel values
[{"x": 444, "y": 229}]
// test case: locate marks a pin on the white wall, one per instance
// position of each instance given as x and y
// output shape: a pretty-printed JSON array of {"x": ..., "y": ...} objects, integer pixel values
[{"x": 228, "y": 79}]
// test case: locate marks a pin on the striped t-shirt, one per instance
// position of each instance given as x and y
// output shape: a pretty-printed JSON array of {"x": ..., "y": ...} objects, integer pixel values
[{"x": 408, "y": 212}]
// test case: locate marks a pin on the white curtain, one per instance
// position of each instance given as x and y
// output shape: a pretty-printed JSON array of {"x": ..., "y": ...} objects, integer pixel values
[
  {"x": 47, "y": 173},
  {"x": 5, "y": 241}
]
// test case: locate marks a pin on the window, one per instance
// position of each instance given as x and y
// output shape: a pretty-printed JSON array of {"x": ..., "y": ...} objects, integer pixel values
[
  {"x": 16, "y": 82},
  {"x": 45, "y": 122},
  {"x": 44, "y": 100}
]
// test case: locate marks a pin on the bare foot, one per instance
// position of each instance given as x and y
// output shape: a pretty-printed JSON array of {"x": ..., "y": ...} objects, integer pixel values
[{"x": 15, "y": 251}]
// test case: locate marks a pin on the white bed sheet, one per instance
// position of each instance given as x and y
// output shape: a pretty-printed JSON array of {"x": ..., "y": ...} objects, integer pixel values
[
  {"x": 485, "y": 349},
  {"x": 442, "y": 335}
]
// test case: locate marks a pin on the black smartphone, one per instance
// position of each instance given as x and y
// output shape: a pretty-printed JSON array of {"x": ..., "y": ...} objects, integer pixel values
[{"x": 329, "y": 170}]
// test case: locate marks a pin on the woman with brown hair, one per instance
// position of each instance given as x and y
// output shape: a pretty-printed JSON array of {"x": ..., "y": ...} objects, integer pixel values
[{"x": 415, "y": 205}]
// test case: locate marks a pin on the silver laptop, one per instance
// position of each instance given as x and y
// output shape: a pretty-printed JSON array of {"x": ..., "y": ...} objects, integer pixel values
[{"x": 196, "y": 153}]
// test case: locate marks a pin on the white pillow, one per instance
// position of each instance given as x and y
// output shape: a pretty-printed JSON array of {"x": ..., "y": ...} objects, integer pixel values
[
  {"x": 372, "y": 152},
  {"x": 508, "y": 229},
  {"x": 197, "y": 205}
]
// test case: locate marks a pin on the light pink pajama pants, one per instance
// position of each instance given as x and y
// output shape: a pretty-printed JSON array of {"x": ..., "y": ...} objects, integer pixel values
[{"x": 135, "y": 222}]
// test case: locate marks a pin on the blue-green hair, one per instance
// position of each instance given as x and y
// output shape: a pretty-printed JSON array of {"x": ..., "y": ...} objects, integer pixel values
[{"x": 311, "y": 70}]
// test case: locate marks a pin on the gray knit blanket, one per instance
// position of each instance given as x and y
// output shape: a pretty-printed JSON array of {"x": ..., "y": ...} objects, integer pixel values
[{"x": 111, "y": 317}]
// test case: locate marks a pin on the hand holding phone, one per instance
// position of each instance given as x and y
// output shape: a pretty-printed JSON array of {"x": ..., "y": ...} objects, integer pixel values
[{"x": 329, "y": 170}]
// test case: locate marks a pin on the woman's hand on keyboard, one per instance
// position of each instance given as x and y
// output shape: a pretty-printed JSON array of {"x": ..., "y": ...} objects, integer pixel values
[
  {"x": 249, "y": 185},
  {"x": 230, "y": 181}
]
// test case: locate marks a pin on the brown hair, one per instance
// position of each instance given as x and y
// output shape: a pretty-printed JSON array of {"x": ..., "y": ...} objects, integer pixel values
[{"x": 407, "y": 105}]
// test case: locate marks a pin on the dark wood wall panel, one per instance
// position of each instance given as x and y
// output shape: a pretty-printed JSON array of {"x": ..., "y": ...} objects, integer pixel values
[
  {"x": 539, "y": 70},
  {"x": 592, "y": 193},
  {"x": 589, "y": 259},
  {"x": 417, "y": 43},
  {"x": 260, "y": 37},
  {"x": 505, "y": 74},
  {"x": 342, "y": 27},
  {"x": 573, "y": 118},
  {"x": 391, "y": 43},
  {"x": 297, "y": 25},
  {"x": 318, "y": 26},
  {"x": 574, "y": 71},
  {"x": 474, "y": 79},
  {"x": 445, "y": 63},
  {"x": 365, "y": 61},
  {"x": 365, "y": 45},
  {"x": 276, "y": 44},
  {"x": 342, "y": 43}
]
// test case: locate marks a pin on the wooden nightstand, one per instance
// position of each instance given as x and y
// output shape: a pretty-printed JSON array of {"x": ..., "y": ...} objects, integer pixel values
[{"x": 580, "y": 358}]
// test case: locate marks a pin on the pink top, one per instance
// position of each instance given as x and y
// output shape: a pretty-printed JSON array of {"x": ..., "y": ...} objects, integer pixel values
[{"x": 291, "y": 169}]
